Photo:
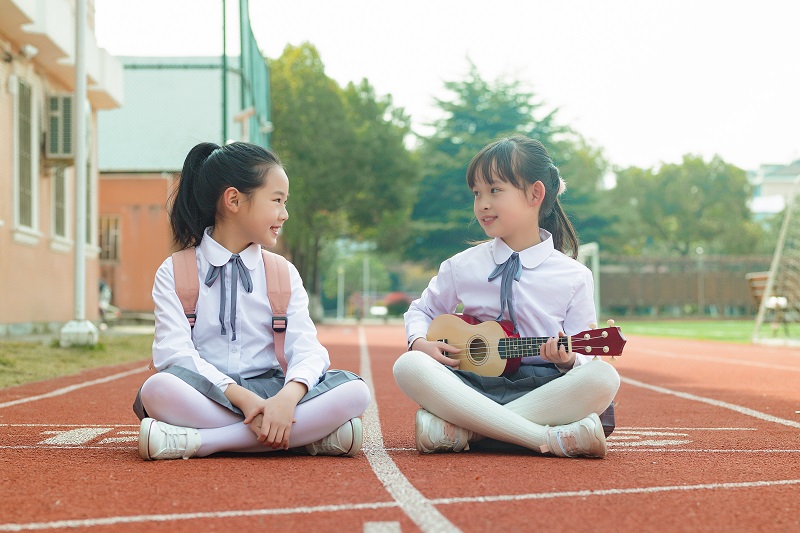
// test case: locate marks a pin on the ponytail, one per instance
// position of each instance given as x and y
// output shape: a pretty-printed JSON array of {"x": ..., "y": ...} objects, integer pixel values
[
  {"x": 564, "y": 237},
  {"x": 193, "y": 208},
  {"x": 522, "y": 161},
  {"x": 208, "y": 170}
]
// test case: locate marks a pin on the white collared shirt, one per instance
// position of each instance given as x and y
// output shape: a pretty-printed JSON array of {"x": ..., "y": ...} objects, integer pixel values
[
  {"x": 204, "y": 350},
  {"x": 555, "y": 292}
]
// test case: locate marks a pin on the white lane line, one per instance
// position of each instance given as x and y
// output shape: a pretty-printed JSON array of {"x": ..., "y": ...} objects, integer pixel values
[
  {"x": 715, "y": 403},
  {"x": 67, "y": 447},
  {"x": 737, "y": 362},
  {"x": 113, "y": 440},
  {"x": 74, "y": 437},
  {"x": 114, "y": 520},
  {"x": 71, "y": 388},
  {"x": 382, "y": 527},
  {"x": 138, "y": 519},
  {"x": 699, "y": 450},
  {"x": 418, "y": 508},
  {"x": 629, "y": 434},
  {"x": 627, "y": 444},
  {"x": 72, "y": 426},
  {"x": 624, "y": 429},
  {"x": 614, "y": 492}
]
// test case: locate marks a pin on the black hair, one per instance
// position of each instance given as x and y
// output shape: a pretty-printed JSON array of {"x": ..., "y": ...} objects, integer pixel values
[
  {"x": 208, "y": 170},
  {"x": 522, "y": 161}
]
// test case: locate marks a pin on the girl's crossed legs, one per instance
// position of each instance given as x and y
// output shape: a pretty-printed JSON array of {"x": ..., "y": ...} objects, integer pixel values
[
  {"x": 169, "y": 399},
  {"x": 587, "y": 389}
]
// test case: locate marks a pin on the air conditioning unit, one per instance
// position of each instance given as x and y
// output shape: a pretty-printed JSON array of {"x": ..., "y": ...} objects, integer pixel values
[{"x": 60, "y": 144}]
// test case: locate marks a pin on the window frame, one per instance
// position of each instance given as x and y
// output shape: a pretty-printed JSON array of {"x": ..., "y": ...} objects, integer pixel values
[
  {"x": 60, "y": 242},
  {"x": 23, "y": 233}
]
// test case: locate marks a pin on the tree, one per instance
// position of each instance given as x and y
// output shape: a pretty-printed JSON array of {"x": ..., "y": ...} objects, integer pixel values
[
  {"x": 349, "y": 171},
  {"x": 384, "y": 171},
  {"x": 479, "y": 112},
  {"x": 587, "y": 201},
  {"x": 679, "y": 207},
  {"x": 312, "y": 137}
]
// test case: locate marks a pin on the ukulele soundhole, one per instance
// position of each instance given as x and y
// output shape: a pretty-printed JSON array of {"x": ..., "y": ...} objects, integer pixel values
[{"x": 478, "y": 350}]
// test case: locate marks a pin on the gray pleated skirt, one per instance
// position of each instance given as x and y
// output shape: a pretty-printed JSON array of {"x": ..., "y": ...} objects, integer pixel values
[
  {"x": 265, "y": 385},
  {"x": 504, "y": 389}
]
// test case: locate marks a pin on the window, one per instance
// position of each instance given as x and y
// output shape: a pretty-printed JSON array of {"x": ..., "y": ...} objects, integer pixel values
[
  {"x": 109, "y": 238},
  {"x": 89, "y": 217},
  {"x": 26, "y": 192},
  {"x": 60, "y": 203}
]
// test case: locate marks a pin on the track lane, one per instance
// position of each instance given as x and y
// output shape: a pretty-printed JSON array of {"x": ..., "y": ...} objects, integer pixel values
[
  {"x": 649, "y": 491},
  {"x": 476, "y": 475}
]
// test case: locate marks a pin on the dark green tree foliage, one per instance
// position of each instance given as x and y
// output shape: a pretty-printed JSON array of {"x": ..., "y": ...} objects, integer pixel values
[
  {"x": 587, "y": 201},
  {"x": 479, "y": 112},
  {"x": 349, "y": 172},
  {"x": 384, "y": 173},
  {"x": 679, "y": 207},
  {"x": 312, "y": 138}
]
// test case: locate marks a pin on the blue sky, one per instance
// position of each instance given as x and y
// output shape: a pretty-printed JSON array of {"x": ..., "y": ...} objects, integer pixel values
[{"x": 647, "y": 80}]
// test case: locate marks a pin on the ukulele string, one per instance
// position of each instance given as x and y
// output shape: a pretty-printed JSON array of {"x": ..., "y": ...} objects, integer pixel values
[
  {"x": 490, "y": 353},
  {"x": 575, "y": 340}
]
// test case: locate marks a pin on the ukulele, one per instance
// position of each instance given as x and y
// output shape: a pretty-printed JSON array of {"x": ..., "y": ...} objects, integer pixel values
[{"x": 493, "y": 349}]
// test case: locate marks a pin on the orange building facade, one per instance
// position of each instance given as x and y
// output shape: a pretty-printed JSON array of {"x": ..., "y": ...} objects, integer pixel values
[
  {"x": 37, "y": 163},
  {"x": 134, "y": 235}
]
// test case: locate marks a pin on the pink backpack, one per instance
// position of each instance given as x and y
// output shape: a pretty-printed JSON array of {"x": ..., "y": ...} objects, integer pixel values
[{"x": 279, "y": 291}]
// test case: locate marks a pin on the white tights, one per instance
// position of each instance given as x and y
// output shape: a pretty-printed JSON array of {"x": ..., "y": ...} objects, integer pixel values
[
  {"x": 170, "y": 399},
  {"x": 587, "y": 389}
]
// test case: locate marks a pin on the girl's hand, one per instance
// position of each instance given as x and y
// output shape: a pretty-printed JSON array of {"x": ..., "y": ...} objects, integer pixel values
[
  {"x": 271, "y": 420},
  {"x": 550, "y": 351},
  {"x": 437, "y": 350}
]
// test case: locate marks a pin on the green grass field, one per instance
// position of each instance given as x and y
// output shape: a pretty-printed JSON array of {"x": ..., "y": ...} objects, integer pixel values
[
  {"x": 718, "y": 330},
  {"x": 25, "y": 362}
]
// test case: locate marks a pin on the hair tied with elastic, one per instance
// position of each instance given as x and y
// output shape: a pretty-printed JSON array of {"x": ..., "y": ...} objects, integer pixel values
[{"x": 557, "y": 179}]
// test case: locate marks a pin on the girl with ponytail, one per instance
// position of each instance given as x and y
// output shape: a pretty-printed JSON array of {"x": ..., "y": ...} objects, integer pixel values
[
  {"x": 552, "y": 402},
  {"x": 223, "y": 384}
]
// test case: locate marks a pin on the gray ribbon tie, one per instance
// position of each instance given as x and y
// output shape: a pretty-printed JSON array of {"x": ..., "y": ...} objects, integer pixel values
[
  {"x": 511, "y": 270},
  {"x": 238, "y": 270}
]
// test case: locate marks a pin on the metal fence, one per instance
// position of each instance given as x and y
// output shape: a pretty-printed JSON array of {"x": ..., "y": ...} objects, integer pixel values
[{"x": 711, "y": 286}]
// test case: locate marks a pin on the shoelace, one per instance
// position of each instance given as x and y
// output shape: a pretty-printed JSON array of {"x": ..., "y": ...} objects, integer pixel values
[
  {"x": 450, "y": 436},
  {"x": 174, "y": 445},
  {"x": 331, "y": 443},
  {"x": 567, "y": 442}
]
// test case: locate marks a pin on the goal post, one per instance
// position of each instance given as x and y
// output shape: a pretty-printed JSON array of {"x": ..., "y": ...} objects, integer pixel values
[
  {"x": 589, "y": 255},
  {"x": 780, "y": 299}
]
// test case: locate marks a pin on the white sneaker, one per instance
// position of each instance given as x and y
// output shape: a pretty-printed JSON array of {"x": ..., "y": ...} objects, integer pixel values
[
  {"x": 346, "y": 440},
  {"x": 582, "y": 438},
  {"x": 158, "y": 440},
  {"x": 434, "y": 434}
]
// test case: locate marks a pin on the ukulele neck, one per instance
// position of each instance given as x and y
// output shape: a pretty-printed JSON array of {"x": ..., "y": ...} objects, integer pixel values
[{"x": 516, "y": 347}]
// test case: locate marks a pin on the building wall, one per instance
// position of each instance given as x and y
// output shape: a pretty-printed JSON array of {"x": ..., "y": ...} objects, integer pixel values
[
  {"x": 781, "y": 188},
  {"x": 138, "y": 202},
  {"x": 36, "y": 265}
]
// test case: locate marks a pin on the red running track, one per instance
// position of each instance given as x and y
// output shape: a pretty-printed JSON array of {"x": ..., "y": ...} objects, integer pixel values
[{"x": 708, "y": 438}]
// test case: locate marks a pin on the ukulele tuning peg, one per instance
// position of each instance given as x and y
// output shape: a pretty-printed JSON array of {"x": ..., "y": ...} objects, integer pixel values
[
  {"x": 613, "y": 359},
  {"x": 592, "y": 326},
  {"x": 610, "y": 322},
  {"x": 594, "y": 358}
]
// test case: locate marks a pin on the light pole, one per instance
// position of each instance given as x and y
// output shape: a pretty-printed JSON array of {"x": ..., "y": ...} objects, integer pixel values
[
  {"x": 340, "y": 294},
  {"x": 701, "y": 296},
  {"x": 79, "y": 331}
]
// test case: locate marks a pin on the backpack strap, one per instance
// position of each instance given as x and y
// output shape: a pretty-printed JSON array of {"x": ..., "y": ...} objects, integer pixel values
[
  {"x": 279, "y": 292},
  {"x": 187, "y": 284}
]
